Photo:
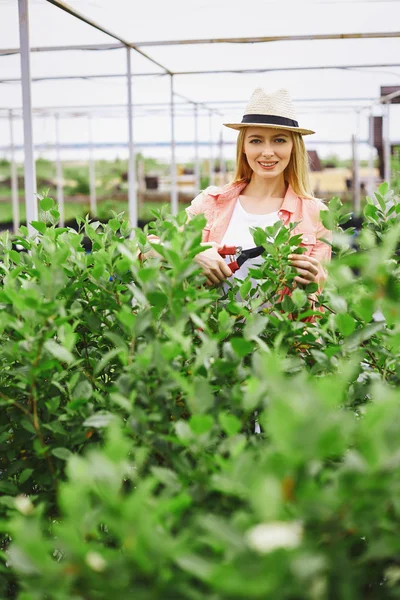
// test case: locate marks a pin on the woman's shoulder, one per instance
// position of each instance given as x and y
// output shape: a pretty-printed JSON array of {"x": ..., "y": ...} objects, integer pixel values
[{"x": 313, "y": 205}]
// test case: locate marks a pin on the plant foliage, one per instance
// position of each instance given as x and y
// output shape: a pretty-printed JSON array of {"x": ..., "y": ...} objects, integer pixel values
[{"x": 130, "y": 394}]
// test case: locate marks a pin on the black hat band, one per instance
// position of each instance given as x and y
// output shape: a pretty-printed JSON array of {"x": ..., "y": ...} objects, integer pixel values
[{"x": 270, "y": 120}]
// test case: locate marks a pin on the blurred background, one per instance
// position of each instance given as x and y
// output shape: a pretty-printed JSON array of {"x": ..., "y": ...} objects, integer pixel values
[{"x": 339, "y": 60}]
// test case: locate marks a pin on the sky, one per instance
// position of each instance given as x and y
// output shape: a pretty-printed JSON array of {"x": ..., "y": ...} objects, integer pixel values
[{"x": 315, "y": 92}]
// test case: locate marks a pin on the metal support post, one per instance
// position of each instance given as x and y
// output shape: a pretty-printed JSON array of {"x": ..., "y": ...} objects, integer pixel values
[
  {"x": 60, "y": 187},
  {"x": 356, "y": 177},
  {"x": 371, "y": 156},
  {"x": 29, "y": 162},
  {"x": 92, "y": 173},
  {"x": 132, "y": 195},
  {"x": 196, "y": 150},
  {"x": 386, "y": 141},
  {"x": 14, "y": 178},
  {"x": 174, "y": 191},
  {"x": 210, "y": 128}
]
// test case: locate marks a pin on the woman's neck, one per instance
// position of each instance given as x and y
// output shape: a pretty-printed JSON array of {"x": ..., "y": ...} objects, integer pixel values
[{"x": 264, "y": 189}]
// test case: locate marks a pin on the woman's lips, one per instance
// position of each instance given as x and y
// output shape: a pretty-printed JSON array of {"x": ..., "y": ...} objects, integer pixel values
[{"x": 267, "y": 166}]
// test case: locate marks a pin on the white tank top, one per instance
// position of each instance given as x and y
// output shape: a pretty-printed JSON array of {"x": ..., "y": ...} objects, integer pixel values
[{"x": 238, "y": 234}]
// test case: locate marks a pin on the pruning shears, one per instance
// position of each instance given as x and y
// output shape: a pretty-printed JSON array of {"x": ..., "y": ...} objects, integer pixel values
[{"x": 240, "y": 256}]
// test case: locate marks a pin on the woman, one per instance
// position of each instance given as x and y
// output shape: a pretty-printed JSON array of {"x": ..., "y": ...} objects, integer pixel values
[{"x": 271, "y": 183}]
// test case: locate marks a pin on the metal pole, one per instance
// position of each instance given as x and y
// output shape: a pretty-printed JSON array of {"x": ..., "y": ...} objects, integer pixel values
[
  {"x": 196, "y": 149},
  {"x": 386, "y": 141},
  {"x": 60, "y": 188},
  {"x": 371, "y": 155},
  {"x": 14, "y": 179},
  {"x": 132, "y": 196},
  {"x": 29, "y": 162},
  {"x": 92, "y": 173},
  {"x": 174, "y": 191},
  {"x": 210, "y": 128},
  {"x": 356, "y": 177}
]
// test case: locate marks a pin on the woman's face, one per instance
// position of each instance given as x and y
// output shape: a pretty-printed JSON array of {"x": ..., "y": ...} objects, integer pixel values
[{"x": 267, "y": 150}]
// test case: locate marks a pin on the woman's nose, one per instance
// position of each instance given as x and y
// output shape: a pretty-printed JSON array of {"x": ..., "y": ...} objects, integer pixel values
[{"x": 267, "y": 152}]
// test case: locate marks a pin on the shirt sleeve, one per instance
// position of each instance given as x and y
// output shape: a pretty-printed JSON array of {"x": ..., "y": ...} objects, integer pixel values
[
  {"x": 196, "y": 206},
  {"x": 322, "y": 251}
]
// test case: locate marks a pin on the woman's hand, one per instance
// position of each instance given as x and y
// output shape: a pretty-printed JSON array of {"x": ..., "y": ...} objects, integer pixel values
[
  {"x": 151, "y": 253},
  {"x": 213, "y": 265},
  {"x": 307, "y": 268}
]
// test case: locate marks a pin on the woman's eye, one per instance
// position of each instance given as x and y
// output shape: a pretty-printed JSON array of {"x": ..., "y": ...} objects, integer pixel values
[
  {"x": 280, "y": 140},
  {"x": 254, "y": 141}
]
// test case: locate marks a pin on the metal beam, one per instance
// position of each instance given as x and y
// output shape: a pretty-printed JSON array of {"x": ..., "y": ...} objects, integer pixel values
[
  {"x": 389, "y": 97},
  {"x": 273, "y": 38},
  {"x": 68, "y": 77},
  {"x": 276, "y": 69},
  {"x": 29, "y": 162},
  {"x": 97, "y": 47},
  {"x": 60, "y": 183},
  {"x": 174, "y": 190},
  {"x": 92, "y": 171},
  {"x": 246, "y": 40},
  {"x": 14, "y": 179},
  {"x": 71, "y": 11},
  {"x": 196, "y": 149},
  {"x": 386, "y": 142},
  {"x": 132, "y": 197},
  {"x": 212, "y": 72}
]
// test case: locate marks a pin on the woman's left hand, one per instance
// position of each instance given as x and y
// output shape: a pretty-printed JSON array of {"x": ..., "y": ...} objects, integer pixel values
[{"x": 307, "y": 268}]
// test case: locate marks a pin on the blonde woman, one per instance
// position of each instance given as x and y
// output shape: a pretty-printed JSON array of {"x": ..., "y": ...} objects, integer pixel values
[{"x": 271, "y": 183}]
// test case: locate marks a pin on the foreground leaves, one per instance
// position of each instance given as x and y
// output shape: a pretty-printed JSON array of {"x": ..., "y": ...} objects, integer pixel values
[{"x": 130, "y": 394}]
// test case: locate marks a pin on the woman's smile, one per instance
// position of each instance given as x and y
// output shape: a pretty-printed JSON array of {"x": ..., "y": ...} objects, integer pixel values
[{"x": 267, "y": 165}]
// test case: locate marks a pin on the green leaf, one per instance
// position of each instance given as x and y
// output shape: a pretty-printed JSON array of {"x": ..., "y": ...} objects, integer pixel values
[
  {"x": 245, "y": 288},
  {"x": 59, "y": 352},
  {"x": 287, "y": 304},
  {"x": 345, "y": 323},
  {"x": 82, "y": 391},
  {"x": 46, "y": 203},
  {"x": 383, "y": 188},
  {"x": 114, "y": 224},
  {"x": 99, "y": 420},
  {"x": 39, "y": 226},
  {"x": 200, "y": 424},
  {"x": 229, "y": 423},
  {"x": 97, "y": 270},
  {"x": 24, "y": 476},
  {"x": 241, "y": 347},
  {"x": 370, "y": 211},
  {"x": 62, "y": 453},
  {"x": 8, "y": 488},
  {"x": 299, "y": 297},
  {"x": 15, "y": 257},
  {"x": 107, "y": 358},
  {"x": 157, "y": 299}
]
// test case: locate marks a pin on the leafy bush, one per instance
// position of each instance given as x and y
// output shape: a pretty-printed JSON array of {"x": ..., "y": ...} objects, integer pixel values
[{"x": 129, "y": 394}]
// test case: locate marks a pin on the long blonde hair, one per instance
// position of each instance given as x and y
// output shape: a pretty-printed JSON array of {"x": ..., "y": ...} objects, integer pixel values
[{"x": 296, "y": 173}]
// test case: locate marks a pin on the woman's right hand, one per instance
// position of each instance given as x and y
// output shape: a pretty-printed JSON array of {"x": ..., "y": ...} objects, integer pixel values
[{"x": 213, "y": 265}]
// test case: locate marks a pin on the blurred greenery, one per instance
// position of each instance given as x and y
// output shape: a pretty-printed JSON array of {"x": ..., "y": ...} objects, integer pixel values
[{"x": 129, "y": 395}]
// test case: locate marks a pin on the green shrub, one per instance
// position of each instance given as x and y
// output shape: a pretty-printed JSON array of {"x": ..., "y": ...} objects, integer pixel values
[{"x": 128, "y": 394}]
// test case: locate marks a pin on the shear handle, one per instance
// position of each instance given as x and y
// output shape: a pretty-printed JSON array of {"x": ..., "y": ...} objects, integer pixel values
[{"x": 227, "y": 250}]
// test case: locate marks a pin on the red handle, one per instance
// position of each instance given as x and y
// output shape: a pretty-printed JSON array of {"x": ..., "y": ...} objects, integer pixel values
[
  {"x": 227, "y": 250},
  {"x": 233, "y": 266}
]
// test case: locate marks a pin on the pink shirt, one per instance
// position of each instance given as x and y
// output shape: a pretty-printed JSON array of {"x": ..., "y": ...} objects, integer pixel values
[{"x": 217, "y": 205}]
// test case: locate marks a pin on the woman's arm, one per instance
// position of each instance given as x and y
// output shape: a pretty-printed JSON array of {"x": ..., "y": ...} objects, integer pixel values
[{"x": 311, "y": 268}]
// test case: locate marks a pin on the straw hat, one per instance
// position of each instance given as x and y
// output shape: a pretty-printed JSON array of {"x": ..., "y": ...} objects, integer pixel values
[{"x": 274, "y": 110}]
